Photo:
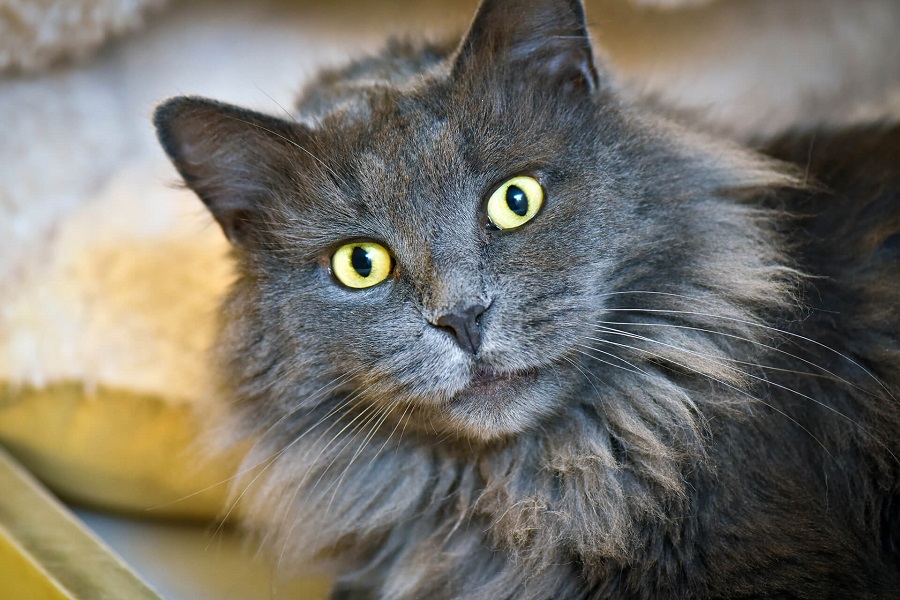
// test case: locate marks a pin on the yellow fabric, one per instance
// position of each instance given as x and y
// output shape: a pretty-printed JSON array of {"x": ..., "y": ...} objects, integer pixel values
[{"x": 115, "y": 450}]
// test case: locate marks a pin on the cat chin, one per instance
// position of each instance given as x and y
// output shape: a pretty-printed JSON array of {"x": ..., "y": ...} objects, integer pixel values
[{"x": 497, "y": 406}]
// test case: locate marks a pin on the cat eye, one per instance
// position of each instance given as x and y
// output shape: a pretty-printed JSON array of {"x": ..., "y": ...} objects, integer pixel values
[
  {"x": 515, "y": 202},
  {"x": 361, "y": 264}
]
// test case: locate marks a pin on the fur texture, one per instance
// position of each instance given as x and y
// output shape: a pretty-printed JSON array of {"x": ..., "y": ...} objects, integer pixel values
[{"x": 686, "y": 380}]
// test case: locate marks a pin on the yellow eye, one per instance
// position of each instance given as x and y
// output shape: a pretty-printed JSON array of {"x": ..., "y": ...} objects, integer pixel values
[
  {"x": 515, "y": 202},
  {"x": 361, "y": 264}
]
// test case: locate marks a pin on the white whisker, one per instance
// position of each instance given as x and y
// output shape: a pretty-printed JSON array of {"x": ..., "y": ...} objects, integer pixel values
[
  {"x": 764, "y": 327},
  {"x": 729, "y": 386},
  {"x": 746, "y": 374}
]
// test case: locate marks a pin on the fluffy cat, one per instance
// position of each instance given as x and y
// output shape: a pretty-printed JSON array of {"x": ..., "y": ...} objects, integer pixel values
[{"x": 500, "y": 334}]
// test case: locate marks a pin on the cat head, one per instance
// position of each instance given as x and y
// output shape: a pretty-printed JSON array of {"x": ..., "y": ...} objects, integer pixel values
[{"x": 442, "y": 235}]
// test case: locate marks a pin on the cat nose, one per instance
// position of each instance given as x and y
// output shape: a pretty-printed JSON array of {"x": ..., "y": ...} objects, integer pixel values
[{"x": 463, "y": 323}]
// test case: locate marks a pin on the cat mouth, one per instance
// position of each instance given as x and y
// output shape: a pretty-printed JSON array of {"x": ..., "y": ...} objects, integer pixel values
[
  {"x": 497, "y": 403},
  {"x": 487, "y": 380}
]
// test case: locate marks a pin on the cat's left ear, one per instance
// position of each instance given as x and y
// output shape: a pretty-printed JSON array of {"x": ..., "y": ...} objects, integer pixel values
[{"x": 546, "y": 39}]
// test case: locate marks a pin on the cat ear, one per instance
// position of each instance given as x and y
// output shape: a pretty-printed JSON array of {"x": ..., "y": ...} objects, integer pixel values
[
  {"x": 231, "y": 157},
  {"x": 546, "y": 38}
]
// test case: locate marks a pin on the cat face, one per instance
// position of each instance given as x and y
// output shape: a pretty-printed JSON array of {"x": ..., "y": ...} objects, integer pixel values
[{"x": 442, "y": 245}]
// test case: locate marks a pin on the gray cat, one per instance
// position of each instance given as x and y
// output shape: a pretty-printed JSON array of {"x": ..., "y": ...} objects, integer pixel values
[{"x": 499, "y": 334}]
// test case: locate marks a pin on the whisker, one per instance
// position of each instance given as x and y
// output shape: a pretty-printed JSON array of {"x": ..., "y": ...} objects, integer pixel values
[
  {"x": 293, "y": 143},
  {"x": 325, "y": 390},
  {"x": 376, "y": 415},
  {"x": 752, "y": 376},
  {"x": 286, "y": 112},
  {"x": 765, "y": 327},
  {"x": 390, "y": 434},
  {"x": 586, "y": 376},
  {"x": 732, "y": 387},
  {"x": 630, "y": 368},
  {"x": 360, "y": 420},
  {"x": 274, "y": 458},
  {"x": 247, "y": 487},
  {"x": 334, "y": 384},
  {"x": 408, "y": 408},
  {"x": 267, "y": 462},
  {"x": 827, "y": 374},
  {"x": 299, "y": 486},
  {"x": 377, "y": 421}
]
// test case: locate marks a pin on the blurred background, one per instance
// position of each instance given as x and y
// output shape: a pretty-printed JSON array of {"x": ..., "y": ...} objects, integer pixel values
[{"x": 110, "y": 274}]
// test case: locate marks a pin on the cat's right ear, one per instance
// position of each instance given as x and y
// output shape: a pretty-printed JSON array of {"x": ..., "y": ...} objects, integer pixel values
[{"x": 231, "y": 157}]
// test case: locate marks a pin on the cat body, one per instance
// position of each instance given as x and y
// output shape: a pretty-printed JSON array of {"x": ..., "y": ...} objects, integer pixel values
[{"x": 671, "y": 374}]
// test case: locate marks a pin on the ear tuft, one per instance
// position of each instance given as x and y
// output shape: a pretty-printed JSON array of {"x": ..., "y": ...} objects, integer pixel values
[{"x": 231, "y": 157}]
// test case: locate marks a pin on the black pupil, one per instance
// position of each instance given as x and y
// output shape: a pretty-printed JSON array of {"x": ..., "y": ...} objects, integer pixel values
[
  {"x": 516, "y": 200},
  {"x": 361, "y": 261}
]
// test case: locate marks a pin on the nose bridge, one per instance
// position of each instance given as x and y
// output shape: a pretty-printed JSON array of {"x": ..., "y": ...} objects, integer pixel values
[
  {"x": 452, "y": 253},
  {"x": 457, "y": 282},
  {"x": 456, "y": 299}
]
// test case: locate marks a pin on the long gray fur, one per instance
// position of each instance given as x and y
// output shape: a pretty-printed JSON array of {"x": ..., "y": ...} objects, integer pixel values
[{"x": 694, "y": 346}]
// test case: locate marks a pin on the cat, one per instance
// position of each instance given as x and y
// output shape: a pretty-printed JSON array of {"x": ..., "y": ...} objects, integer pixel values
[{"x": 499, "y": 333}]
